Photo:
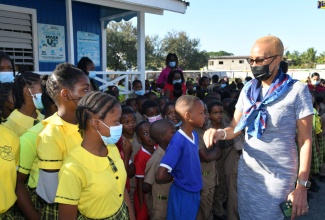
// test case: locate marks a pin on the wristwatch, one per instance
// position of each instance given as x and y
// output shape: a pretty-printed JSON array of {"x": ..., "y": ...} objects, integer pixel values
[{"x": 306, "y": 184}]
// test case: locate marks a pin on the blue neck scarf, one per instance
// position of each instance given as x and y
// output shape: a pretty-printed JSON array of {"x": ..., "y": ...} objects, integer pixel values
[{"x": 255, "y": 117}]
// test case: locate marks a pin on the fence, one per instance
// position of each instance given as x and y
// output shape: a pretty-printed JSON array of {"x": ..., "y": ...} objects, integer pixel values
[
  {"x": 300, "y": 74},
  {"x": 111, "y": 78}
]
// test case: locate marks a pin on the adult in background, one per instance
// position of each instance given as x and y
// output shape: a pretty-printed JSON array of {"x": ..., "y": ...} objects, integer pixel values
[
  {"x": 88, "y": 67},
  {"x": 171, "y": 63},
  {"x": 314, "y": 85},
  {"x": 267, "y": 170}
]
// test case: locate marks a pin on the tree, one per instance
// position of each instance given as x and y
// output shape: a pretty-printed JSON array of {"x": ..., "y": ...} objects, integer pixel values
[
  {"x": 321, "y": 58},
  {"x": 219, "y": 53},
  {"x": 186, "y": 49},
  {"x": 121, "y": 46},
  {"x": 309, "y": 57},
  {"x": 294, "y": 58},
  {"x": 154, "y": 54}
]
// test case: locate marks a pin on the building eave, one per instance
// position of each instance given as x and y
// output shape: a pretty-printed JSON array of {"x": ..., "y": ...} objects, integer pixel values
[{"x": 147, "y": 6}]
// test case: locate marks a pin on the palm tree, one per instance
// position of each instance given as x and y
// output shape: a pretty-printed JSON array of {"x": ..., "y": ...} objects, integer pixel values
[
  {"x": 321, "y": 58},
  {"x": 309, "y": 57}
]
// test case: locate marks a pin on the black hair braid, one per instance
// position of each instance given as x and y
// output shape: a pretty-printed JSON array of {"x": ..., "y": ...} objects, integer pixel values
[
  {"x": 65, "y": 75},
  {"x": 5, "y": 89},
  {"x": 46, "y": 99},
  {"x": 21, "y": 80},
  {"x": 52, "y": 87},
  {"x": 94, "y": 103}
]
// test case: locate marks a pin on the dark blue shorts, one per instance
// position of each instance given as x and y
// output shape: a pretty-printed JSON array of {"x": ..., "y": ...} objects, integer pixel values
[{"x": 182, "y": 204}]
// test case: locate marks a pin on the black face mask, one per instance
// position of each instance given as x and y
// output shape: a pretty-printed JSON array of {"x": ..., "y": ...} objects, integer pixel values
[{"x": 261, "y": 73}]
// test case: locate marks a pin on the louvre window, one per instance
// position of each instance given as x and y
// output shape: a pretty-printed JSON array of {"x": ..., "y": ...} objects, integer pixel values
[{"x": 16, "y": 38}]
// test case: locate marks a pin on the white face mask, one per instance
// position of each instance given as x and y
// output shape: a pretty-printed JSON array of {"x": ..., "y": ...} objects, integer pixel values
[
  {"x": 37, "y": 100},
  {"x": 315, "y": 82},
  {"x": 6, "y": 77},
  {"x": 115, "y": 134}
]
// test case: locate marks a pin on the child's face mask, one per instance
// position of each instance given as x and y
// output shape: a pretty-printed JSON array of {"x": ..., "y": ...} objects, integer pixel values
[{"x": 154, "y": 118}]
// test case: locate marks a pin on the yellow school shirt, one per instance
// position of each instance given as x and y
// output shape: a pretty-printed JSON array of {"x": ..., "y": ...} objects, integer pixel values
[
  {"x": 9, "y": 159},
  {"x": 28, "y": 160},
  {"x": 89, "y": 182},
  {"x": 19, "y": 123},
  {"x": 55, "y": 142}
]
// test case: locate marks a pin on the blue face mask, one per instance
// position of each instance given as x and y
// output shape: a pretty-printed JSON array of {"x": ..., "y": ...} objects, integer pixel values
[
  {"x": 37, "y": 100},
  {"x": 223, "y": 85},
  {"x": 172, "y": 64},
  {"x": 178, "y": 124},
  {"x": 92, "y": 74},
  {"x": 177, "y": 81},
  {"x": 6, "y": 77},
  {"x": 139, "y": 92},
  {"x": 116, "y": 133}
]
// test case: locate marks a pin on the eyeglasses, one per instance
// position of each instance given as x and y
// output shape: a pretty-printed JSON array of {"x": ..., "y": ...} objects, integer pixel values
[{"x": 259, "y": 61}]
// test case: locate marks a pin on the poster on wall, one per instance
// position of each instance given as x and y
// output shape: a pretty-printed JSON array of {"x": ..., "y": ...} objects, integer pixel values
[
  {"x": 88, "y": 46},
  {"x": 51, "y": 43}
]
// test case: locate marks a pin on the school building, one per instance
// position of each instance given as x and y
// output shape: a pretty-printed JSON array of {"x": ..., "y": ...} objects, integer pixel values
[
  {"x": 238, "y": 63},
  {"x": 39, "y": 34}
]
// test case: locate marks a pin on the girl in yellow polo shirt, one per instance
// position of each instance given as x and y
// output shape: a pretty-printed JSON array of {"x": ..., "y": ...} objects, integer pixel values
[
  {"x": 28, "y": 162},
  {"x": 92, "y": 179},
  {"x": 66, "y": 86},
  {"x": 27, "y": 93},
  {"x": 9, "y": 157}
]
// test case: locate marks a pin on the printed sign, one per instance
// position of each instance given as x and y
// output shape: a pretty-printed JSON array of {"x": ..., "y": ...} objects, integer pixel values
[
  {"x": 321, "y": 4},
  {"x": 51, "y": 43},
  {"x": 88, "y": 46}
]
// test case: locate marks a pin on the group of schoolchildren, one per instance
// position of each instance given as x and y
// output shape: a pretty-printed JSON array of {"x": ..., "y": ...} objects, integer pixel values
[{"x": 81, "y": 154}]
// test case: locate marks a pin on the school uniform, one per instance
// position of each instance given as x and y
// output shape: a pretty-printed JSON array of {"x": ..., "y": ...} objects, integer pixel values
[
  {"x": 95, "y": 184},
  {"x": 183, "y": 162},
  {"x": 159, "y": 194},
  {"x": 227, "y": 169},
  {"x": 209, "y": 182},
  {"x": 28, "y": 160},
  {"x": 140, "y": 162},
  {"x": 135, "y": 149},
  {"x": 9, "y": 160},
  {"x": 54, "y": 143},
  {"x": 138, "y": 117},
  {"x": 19, "y": 123}
]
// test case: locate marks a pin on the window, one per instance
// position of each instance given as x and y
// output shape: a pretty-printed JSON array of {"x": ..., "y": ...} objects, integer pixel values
[
  {"x": 220, "y": 62},
  {"x": 241, "y": 61},
  {"x": 17, "y": 36},
  {"x": 211, "y": 63}
]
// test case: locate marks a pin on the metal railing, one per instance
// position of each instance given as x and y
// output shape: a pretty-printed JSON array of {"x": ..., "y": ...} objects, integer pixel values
[{"x": 111, "y": 78}]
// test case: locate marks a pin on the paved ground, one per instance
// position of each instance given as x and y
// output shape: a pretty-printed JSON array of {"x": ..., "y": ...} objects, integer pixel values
[{"x": 316, "y": 205}]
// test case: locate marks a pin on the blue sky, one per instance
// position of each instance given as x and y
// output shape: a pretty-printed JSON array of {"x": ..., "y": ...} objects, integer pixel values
[{"x": 233, "y": 26}]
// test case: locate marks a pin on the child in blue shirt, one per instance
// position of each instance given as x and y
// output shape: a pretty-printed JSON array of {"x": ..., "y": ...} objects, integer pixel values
[{"x": 181, "y": 162}]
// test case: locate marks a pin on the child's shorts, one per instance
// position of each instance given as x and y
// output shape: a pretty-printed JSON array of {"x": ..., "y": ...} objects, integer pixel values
[{"x": 182, "y": 204}]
